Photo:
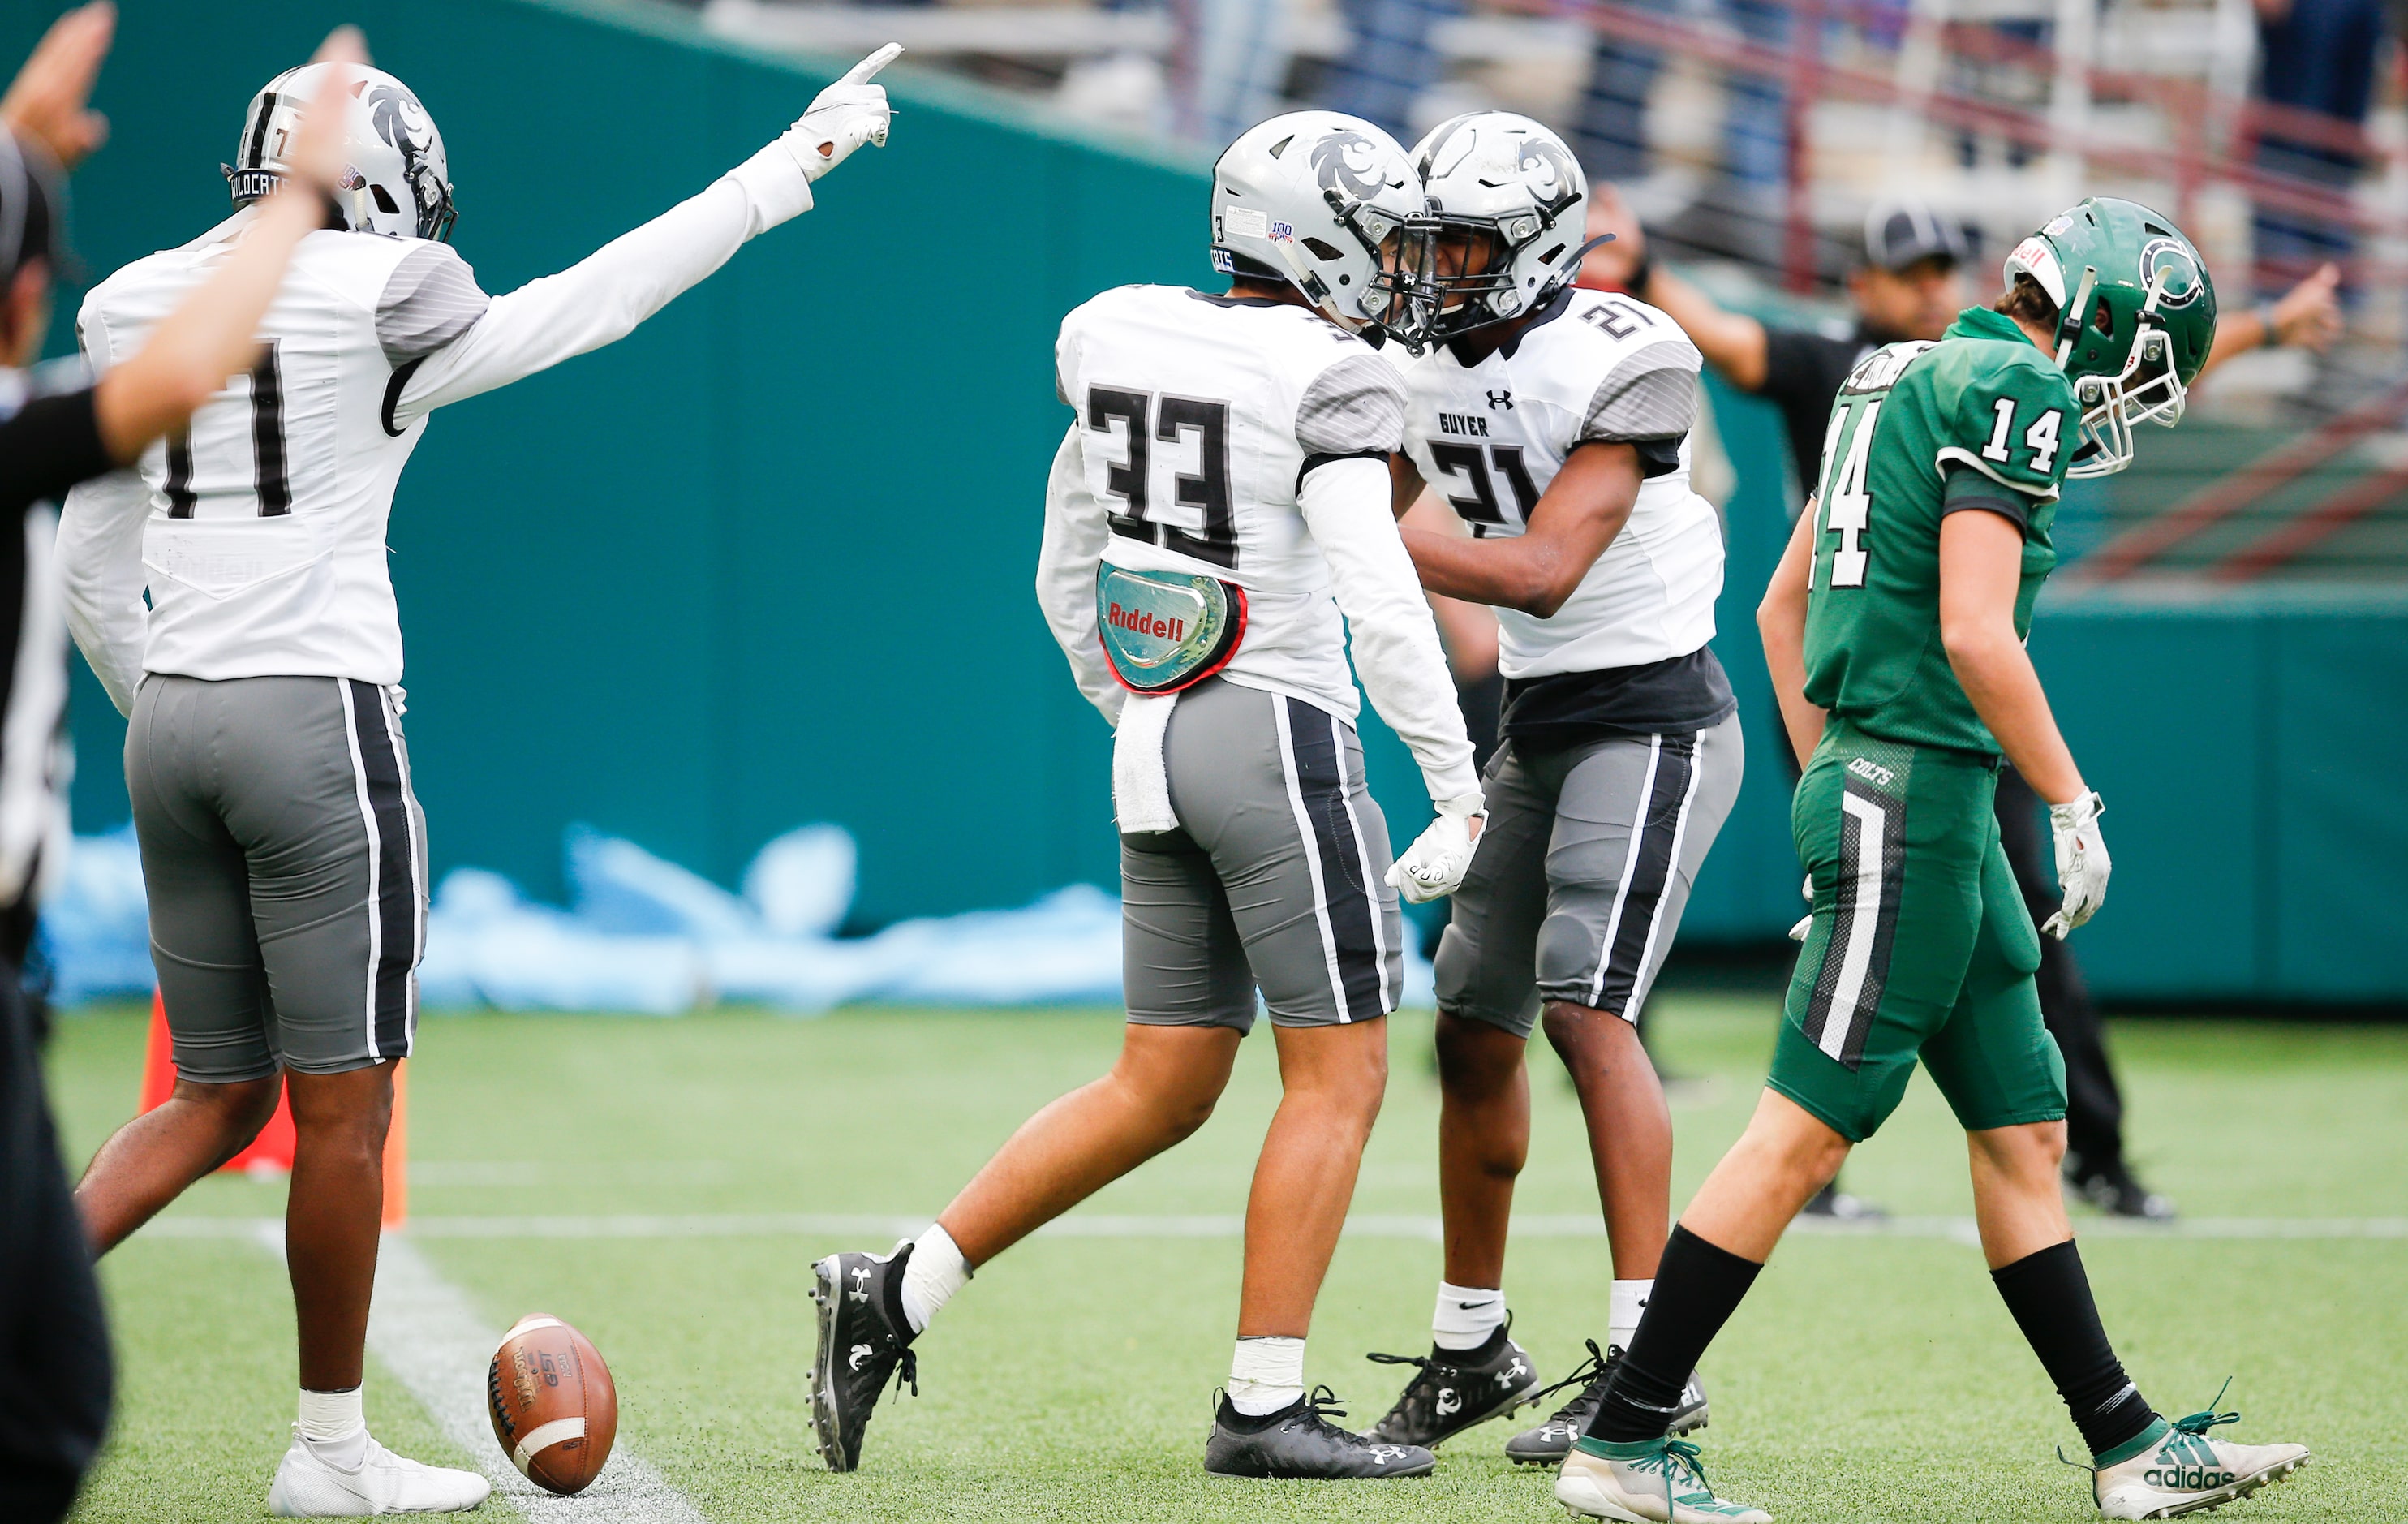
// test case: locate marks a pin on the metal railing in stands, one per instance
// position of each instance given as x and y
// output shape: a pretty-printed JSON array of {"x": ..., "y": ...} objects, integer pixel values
[
  {"x": 2200, "y": 155},
  {"x": 2152, "y": 539}
]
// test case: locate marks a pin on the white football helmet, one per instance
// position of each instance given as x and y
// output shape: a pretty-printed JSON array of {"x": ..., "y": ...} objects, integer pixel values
[
  {"x": 1328, "y": 203},
  {"x": 1502, "y": 182},
  {"x": 397, "y": 181}
]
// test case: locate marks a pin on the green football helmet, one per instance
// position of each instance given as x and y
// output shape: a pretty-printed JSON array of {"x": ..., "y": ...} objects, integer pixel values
[{"x": 2136, "y": 316}]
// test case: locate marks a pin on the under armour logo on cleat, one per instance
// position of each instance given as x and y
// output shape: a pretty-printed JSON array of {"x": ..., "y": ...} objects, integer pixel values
[
  {"x": 1497, "y": 400},
  {"x": 1448, "y": 1402},
  {"x": 1387, "y": 1452},
  {"x": 860, "y": 1352},
  {"x": 1517, "y": 1370}
]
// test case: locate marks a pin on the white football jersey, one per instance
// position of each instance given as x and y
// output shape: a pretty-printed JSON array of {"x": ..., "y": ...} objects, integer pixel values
[
  {"x": 1490, "y": 437},
  {"x": 265, "y": 547},
  {"x": 259, "y": 533},
  {"x": 1199, "y": 413}
]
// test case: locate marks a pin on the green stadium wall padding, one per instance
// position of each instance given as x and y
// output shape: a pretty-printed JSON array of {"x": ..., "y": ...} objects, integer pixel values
[{"x": 677, "y": 589}]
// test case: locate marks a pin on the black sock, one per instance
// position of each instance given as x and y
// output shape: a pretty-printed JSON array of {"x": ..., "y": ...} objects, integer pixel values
[
  {"x": 1697, "y": 1287},
  {"x": 2050, "y": 1298}
]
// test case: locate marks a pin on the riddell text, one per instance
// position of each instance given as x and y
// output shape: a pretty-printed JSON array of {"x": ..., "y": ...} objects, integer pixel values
[{"x": 1146, "y": 624}]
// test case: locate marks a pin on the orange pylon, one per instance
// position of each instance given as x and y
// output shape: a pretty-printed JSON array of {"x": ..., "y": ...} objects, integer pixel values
[{"x": 271, "y": 1151}]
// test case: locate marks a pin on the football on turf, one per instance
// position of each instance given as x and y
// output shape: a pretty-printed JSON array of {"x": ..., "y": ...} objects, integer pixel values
[{"x": 554, "y": 1408}]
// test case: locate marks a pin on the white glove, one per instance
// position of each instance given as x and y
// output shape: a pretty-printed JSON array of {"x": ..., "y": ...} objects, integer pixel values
[
  {"x": 845, "y": 115},
  {"x": 2082, "y": 862},
  {"x": 1435, "y": 863},
  {"x": 1797, "y": 932}
]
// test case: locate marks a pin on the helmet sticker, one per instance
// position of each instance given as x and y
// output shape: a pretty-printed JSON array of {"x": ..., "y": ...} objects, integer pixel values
[
  {"x": 1348, "y": 161},
  {"x": 2058, "y": 226},
  {"x": 1282, "y": 232},
  {"x": 1244, "y": 222},
  {"x": 402, "y": 122},
  {"x": 2035, "y": 258},
  {"x": 2172, "y": 272}
]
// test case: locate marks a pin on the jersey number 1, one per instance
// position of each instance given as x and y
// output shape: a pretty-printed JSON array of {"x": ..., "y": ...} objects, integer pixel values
[{"x": 270, "y": 476}]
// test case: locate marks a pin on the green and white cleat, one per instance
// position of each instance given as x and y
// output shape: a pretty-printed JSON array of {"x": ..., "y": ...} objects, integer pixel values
[
  {"x": 2179, "y": 1468},
  {"x": 1653, "y": 1482}
]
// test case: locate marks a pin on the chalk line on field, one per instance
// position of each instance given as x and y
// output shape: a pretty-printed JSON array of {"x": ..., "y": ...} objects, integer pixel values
[
  {"x": 423, "y": 1329},
  {"x": 870, "y": 1228}
]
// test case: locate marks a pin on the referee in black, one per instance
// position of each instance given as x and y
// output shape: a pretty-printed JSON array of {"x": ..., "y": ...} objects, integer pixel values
[
  {"x": 1906, "y": 286},
  {"x": 57, "y": 430}
]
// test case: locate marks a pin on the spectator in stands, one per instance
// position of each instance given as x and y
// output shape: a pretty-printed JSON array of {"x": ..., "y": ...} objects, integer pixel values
[
  {"x": 1907, "y": 286},
  {"x": 1391, "y": 59},
  {"x": 1740, "y": 211},
  {"x": 2312, "y": 55},
  {"x": 54, "y": 1366}
]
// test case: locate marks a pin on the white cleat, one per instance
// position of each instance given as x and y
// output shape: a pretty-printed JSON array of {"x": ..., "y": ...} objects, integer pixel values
[
  {"x": 2186, "y": 1470},
  {"x": 307, "y": 1485},
  {"x": 1660, "y": 1483}
]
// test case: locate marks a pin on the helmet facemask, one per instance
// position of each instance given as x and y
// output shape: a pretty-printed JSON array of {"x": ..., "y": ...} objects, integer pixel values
[
  {"x": 2148, "y": 390},
  {"x": 1474, "y": 268}
]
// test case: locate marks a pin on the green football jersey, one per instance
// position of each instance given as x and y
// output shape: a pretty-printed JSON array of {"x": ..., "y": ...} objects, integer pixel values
[{"x": 1982, "y": 416}]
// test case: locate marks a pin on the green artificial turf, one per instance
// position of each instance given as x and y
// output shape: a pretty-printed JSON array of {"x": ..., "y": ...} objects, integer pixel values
[{"x": 1865, "y": 1379}]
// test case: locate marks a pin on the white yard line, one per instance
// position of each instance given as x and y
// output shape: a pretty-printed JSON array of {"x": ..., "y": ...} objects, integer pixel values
[
  {"x": 871, "y": 1228},
  {"x": 423, "y": 1329}
]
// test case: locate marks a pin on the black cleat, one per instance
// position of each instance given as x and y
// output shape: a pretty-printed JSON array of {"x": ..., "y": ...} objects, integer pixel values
[
  {"x": 1299, "y": 1440},
  {"x": 1838, "y": 1206},
  {"x": 1550, "y": 1442},
  {"x": 864, "y": 1339},
  {"x": 2111, "y": 1189},
  {"x": 1455, "y": 1389}
]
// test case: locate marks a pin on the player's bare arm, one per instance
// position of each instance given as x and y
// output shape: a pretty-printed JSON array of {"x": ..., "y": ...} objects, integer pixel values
[
  {"x": 1576, "y": 519},
  {"x": 1781, "y": 620},
  {"x": 1981, "y": 559}
]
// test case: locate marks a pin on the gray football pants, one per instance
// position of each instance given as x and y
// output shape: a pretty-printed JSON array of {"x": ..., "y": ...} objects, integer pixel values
[
  {"x": 1275, "y": 877},
  {"x": 1581, "y": 872},
  {"x": 285, "y": 856}
]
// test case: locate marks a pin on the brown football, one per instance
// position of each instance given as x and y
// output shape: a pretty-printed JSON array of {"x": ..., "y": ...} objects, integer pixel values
[{"x": 554, "y": 1407}]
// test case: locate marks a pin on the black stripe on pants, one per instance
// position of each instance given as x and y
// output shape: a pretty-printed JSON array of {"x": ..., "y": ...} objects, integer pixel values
[
  {"x": 1352, "y": 905},
  {"x": 1654, "y": 840},
  {"x": 396, "y": 885}
]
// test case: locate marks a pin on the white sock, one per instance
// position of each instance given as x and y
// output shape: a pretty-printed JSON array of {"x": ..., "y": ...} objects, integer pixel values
[
  {"x": 1266, "y": 1374},
  {"x": 931, "y": 1276},
  {"x": 1630, "y": 1299},
  {"x": 1466, "y": 1316},
  {"x": 334, "y": 1428}
]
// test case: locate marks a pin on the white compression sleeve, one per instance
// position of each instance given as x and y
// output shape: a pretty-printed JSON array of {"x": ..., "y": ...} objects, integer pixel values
[
  {"x": 1075, "y": 535},
  {"x": 602, "y": 298},
  {"x": 1388, "y": 622},
  {"x": 101, "y": 574}
]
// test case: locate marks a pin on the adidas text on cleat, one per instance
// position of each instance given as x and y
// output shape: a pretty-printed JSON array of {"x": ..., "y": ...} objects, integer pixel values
[
  {"x": 1653, "y": 1482},
  {"x": 1299, "y": 1440},
  {"x": 2179, "y": 1468},
  {"x": 309, "y": 1486},
  {"x": 864, "y": 1340},
  {"x": 1550, "y": 1442},
  {"x": 1453, "y": 1389}
]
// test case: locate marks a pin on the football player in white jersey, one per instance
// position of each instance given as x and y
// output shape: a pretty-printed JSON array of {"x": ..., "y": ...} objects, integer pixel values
[
  {"x": 1554, "y": 420},
  {"x": 1220, "y": 500},
  {"x": 283, "y": 845}
]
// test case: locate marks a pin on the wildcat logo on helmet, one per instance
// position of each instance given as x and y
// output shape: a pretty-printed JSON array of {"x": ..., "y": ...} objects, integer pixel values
[
  {"x": 1348, "y": 161},
  {"x": 1547, "y": 169},
  {"x": 2173, "y": 272}
]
